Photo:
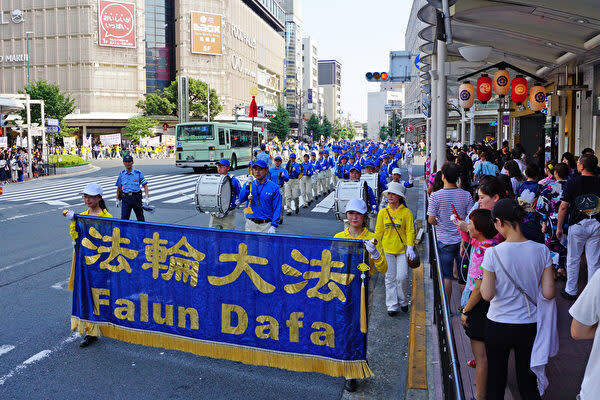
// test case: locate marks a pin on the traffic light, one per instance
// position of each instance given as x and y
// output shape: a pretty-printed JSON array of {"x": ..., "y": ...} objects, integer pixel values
[{"x": 377, "y": 76}]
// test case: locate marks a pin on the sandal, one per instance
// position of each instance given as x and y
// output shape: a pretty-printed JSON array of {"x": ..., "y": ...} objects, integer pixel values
[{"x": 471, "y": 363}]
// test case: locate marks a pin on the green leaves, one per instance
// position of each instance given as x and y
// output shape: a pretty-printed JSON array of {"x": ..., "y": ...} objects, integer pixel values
[
  {"x": 280, "y": 123},
  {"x": 56, "y": 105},
  {"x": 313, "y": 127},
  {"x": 139, "y": 127}
]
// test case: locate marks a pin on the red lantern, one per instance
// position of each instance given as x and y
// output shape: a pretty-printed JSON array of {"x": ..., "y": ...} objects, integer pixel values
[
  {"x": 518, "y": 89},
  {"x": 253, "y": 110},
  {"x": 484, "y": 88},
  {"x": 501, "y": 82},
  {"x": 466, "y": 95},
  {"x": 537, "y": 98}
]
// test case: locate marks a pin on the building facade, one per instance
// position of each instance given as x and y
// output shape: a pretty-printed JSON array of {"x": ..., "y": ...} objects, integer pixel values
[
  {"x": 376, "y": 113},
  {"x": 293, "y": 60},
  {"x": 330, "y": 81},
  {"x": 312, "y": 103},
  {"x": 108, "y": 53}
]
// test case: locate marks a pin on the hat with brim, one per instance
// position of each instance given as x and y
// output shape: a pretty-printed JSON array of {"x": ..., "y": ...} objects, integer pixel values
[
  {"x": 396, "y": 188},
  {"x": 224, "y": 161},
  {"x": 354, "y": 168},
  {"x": 127, "y": 158},
  {"x": 259, "y": 164},
  {"x": 92, "y": 189},
  {"x": 278, "y": 158},
  {"x": 356, "y": 205},
  {"x": 396, "y": 171}
]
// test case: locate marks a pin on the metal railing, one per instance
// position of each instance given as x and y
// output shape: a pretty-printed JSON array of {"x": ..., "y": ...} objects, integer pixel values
[{"x": 451, "y": 376}]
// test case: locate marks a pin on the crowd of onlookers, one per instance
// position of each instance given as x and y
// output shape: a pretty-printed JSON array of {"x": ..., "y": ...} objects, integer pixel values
[
  {"x": 13, "y": 165},
  {"x": 100, "y": 151},
  {"x": 509, "y": 227}
]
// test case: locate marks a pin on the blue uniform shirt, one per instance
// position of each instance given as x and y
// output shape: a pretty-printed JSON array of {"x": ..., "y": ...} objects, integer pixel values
[
  {"x": 266, "y": 201},
  {"x": 236, "y": 187},
  {"x": 276, "y": 178},
  {"x": 130, "y": 182},
  {"x": 294, "y": 170},
  {"x": 308, "y": 168}
]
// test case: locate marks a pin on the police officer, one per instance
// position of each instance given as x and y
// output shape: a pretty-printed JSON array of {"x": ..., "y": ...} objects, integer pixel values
[
  {"x": 264, "y": 201},
  {"x": 228, "y": 221},
  {"x": 279, "y": 176},
  {"x": 306, "y": 183},
  {"x": 292, "y": 188},
  {"x": 128, "y": 190}
]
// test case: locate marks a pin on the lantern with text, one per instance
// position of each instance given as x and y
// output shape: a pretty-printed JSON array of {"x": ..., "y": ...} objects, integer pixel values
[
  {"x": 518, "y": 89},
  {"x": 466, "y": 95},
  {"x": 484, "y": 88},
  {"x": 537, "y": 98},
  {"x": 501, "y": 82}
]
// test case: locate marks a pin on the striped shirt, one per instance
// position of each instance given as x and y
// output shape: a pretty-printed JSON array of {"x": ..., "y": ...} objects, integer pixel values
[{"x": 440, "y": 207}]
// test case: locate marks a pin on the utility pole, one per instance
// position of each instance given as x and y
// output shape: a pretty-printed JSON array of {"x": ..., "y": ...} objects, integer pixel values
[{"x": 27, "y": 40}]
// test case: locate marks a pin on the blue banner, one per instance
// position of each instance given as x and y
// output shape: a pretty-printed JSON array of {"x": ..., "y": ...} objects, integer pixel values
[{"x": 284, "y": 301}]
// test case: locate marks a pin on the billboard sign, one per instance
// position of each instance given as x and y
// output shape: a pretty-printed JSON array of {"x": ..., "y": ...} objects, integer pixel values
[
  {"x": 310, "y": 97},
  {"x": 205, "y": 30},
  {"x": 116, "y": 23}
]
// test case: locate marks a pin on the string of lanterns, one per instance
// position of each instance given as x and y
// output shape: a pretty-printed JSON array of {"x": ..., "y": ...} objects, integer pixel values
[{"x": 501, "y": 85}]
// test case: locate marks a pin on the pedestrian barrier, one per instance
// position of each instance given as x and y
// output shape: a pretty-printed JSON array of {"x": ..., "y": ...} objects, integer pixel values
[{"x": 451, "y": 376}]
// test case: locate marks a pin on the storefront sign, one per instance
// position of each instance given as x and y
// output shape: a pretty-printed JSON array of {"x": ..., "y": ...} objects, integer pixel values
[
  {"x": 205, "y": 30},
  {"x": 110, "y": 140},
  {"x": 13, "y": 58},
  {"x": 116, "y": 23},
  {"x": 239, "y": 64},
  {"x": 243, "y": 36},
  {"x": 14, "y": 16}
]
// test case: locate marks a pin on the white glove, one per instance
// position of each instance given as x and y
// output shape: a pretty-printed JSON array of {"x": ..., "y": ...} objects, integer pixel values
[
  {"x": 372, "y": 249},
  {"x": 272, "y": 230},
  {"x": 70, "y": 214},
  {"x": 237, "y": 202},
  {"x": 146, "y": 200},
  {"x": 410, "y": 252},
  {"x": 117, "y": 203}
]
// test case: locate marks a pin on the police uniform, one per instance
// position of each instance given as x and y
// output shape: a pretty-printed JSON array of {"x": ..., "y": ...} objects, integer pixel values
[
  {"x": 264, "y": 209},
  {"x": 130, "y": 184},
  {"x": 280, "y": 176}
]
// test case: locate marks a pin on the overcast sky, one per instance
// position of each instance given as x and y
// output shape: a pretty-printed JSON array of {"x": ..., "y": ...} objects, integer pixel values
[{"x": 360, "y": 34}]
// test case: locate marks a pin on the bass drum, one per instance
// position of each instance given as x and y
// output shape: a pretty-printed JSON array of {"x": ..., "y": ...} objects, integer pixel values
[
  {"x": 373, "y": 182},
  {"x": 214, "y": 194},
  {"x": 346, "y": 191}
]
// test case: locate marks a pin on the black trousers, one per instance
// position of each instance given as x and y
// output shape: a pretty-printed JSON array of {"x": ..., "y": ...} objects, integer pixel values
[
  {"x": 499, "y": 340},
  {"x": 133, "y": 202}
]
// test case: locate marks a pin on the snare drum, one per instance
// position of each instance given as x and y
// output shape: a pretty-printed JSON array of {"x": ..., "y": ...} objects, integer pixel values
[
  {"x": 346, "y": 191},
  {"x": 214, "y": 194}
]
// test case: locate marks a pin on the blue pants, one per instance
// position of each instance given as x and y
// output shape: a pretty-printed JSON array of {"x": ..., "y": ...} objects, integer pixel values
[
  {"x": 132, "y": 202},
  {"x": 448, "y": 253}
]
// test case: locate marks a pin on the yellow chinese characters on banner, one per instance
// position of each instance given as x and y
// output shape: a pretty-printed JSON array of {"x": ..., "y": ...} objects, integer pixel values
[{"x": 206, "y": 35}]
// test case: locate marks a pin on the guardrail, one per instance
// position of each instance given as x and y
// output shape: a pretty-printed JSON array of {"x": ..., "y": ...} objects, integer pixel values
[{"x": 451, "y": 376}]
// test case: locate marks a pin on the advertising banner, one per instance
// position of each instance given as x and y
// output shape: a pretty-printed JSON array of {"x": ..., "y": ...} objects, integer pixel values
[
  {"x": 87, "y": 141},
  {"x": 69, "y": 141},
  {"x": 110, "y": 140},
  {"x": 205, "y": 33},
  {"x": 150, "y": 141},
  {"x": 168, "y": 140},
  {"x": 116, "y": 23},
  {"x": 274, "y": 300}
]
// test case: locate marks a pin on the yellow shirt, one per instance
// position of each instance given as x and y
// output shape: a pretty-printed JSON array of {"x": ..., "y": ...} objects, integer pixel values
[
  {"x": 385, "y": 232},
  {"x": 380, "y": 263},
  {"x": 73, "y": 231}
]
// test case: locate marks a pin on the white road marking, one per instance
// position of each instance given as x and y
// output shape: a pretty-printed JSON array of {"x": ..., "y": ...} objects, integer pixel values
[
  {"x": 325, "y": 205},
  {"x": 34, "y": 258},
  {"x": 37, "y": 357},
  {"x": 56, "y": 203},
  {"x": 60, "y": 285},
  {"x": 5, "y": 348}
]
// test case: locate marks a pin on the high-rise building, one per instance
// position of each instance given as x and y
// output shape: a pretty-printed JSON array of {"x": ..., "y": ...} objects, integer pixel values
[
  {"x": 293, "y": 60},
  {"x": 311, "y": 101},
  {"x": 376, "y": 113},
  {"x": 107, "y": 54},
  {"x": 330, "y": 80}
]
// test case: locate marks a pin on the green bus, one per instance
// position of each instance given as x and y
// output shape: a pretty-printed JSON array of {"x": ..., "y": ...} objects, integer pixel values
[{"x": 201, "y": 144}]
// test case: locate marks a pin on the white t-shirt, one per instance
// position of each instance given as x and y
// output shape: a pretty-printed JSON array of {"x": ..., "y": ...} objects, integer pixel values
[
  {"x": 587, "y": 311},
  {"x": 525, "y": 262}
]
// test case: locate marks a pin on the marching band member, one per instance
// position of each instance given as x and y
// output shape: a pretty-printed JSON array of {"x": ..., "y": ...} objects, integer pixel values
[
  {"x": 306, "y": 183},
  {"x": 340, "y": 169},
  {"x": 228, "y": 221},
  {"x": 92, "y": 198},
  {"x": 292, "y": 188},
  {"x": 395, "y": 230},
  {"x": 279, "y": 176},
  {"x": 264, "y": 201},
  {"x": 316, "y": 175},
  {"x": 355, "y": 175},
  {"x": 356, "y": 214}
]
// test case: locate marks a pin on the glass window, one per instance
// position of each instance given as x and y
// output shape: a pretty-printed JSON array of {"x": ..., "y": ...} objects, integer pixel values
[
  {"x": 221, "y": 137},
  {"x": 195, "y": 132}
]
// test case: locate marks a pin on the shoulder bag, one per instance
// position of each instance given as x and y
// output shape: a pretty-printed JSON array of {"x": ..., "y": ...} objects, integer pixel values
[
  {"x": 510, "y": 278},
  {"x": 414, "y": 263}
]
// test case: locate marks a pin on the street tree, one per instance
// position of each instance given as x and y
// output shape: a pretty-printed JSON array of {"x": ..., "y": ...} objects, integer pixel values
[
  {"x": 313, "y": 128},
  {"x": 326, "y": 127},
  {"x": 350, "y": 132},
  {"x": 383, "y": 133},
  {"x": 165, "y": 102},
  {"x": 56, "y": 103},
  {"x": 280, "y": 123},
  {"x": 139, "y": 127},
  {"x": 337, "y": 130},
  {"x": 65, "y": 130}
]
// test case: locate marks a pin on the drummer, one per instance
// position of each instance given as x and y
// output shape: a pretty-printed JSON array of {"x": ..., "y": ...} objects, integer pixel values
[
  {"x": 264, "y": 201},
  {"x": 355, "y": 177},
  {"x": 228, "y": 221},
  {"x": 279, "y": 176}
]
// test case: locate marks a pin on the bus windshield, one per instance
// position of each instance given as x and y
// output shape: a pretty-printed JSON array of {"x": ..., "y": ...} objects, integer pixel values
[{"x": 195, "y": 132}]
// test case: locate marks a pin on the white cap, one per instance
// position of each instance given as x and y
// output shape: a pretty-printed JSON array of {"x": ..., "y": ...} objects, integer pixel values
[
  {"x": 357, "y": 205},
  {"x": 92, "y": 189},
  {"x": 396, "y": 171},
  {"x": 396, "y": 188}
]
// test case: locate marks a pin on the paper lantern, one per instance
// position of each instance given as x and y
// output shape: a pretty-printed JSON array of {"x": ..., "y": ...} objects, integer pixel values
[
  {"x": 537, "y": 98},
  {"x": 466, "y": 95},
  {"x": 518, "y": 89},
  {"x": 484, "y": 88},
  {"x": 501, "y": 82}
]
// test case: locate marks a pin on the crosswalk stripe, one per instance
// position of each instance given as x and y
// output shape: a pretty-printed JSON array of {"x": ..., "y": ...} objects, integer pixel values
[
  {"x": 157, "y": 188},
  {"x": 174, "y": 192},
  {"x": 325, "y": 205},
  {"x": 181, "y": 199}
]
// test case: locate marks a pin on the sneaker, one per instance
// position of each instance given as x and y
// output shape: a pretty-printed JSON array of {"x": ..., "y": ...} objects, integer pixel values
[
  {"x": 393, "y": 313},
  {"x": 351, "y": 385},
  {"x": 568, "y": 296},
  {"x": 288, "y": 213},
  {"x": 297, "y": 210},
  {"x": 88, "y": 340},
  {"x": 404, "y": 309}
]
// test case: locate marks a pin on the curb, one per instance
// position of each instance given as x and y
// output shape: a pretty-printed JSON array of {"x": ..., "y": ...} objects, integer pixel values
[{"x": 92, "y": 168}]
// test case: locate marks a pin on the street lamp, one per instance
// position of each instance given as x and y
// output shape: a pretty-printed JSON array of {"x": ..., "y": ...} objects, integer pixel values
[{"x": 27, "y": 40}]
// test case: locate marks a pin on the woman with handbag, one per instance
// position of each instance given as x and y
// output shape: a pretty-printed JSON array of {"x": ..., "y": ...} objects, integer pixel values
[
  {"x": 396, "y": 232},
  {"x": 512, "y": 274}
]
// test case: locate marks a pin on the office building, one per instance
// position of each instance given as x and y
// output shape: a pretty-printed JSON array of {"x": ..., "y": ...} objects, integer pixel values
[
  {"x": 311, "y": 99},
  {"x": 330, "y": 80}
]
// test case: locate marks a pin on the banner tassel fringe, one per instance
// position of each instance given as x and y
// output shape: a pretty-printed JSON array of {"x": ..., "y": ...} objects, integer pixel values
[{"x": 363, "y": 308}]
